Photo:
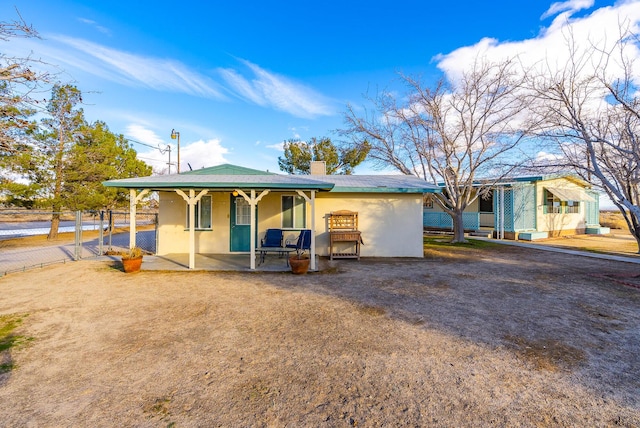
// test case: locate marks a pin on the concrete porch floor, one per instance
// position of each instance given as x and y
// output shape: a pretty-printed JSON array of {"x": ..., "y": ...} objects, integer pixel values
[{"x": 217, "y": 262}]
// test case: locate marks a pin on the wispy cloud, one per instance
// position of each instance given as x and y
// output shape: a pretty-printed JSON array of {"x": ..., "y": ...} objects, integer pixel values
[
  {"x": 143, "y": 134},
  {"x": 100, "y": 28},
  {"x": 135, "y": 70},
  {"x": 265, "y": 88},
  {"x": 569, "y": 6},
  {"x": 278, "y": 146},
  {"x": 248, "y": 81}
]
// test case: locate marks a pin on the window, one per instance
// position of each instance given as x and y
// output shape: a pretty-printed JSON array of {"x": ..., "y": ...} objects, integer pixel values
[
  {"x": 294, "y": 212},
  {"x": 427, "y": 202},
  {"x": 554, "y": 205},
  {"x": 243, "y": 211},
  {"x": 573, "y": 207},
  {"x": 486, "y": 203},
  {"x": 202, "y": 212}
]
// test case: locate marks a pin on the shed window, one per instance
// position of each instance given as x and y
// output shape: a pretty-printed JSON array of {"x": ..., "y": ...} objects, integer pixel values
[
  {"x": 554, "y": 205},
  {"x": 427, "y": 201},
  {"x": 294, "y": 212},
  {"x": 202, "y": 212},
  {"x": 572, "y": 207}
]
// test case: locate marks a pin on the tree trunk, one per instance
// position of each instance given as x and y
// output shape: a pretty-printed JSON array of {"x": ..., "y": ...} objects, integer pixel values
[
  {"x": 635, "y": 229},
  {"x": 458, "y": 227},
  {"x": 55, "y": 223},
  {"x": 636, "y": 234},
  {"x": 57, "y": 188}
]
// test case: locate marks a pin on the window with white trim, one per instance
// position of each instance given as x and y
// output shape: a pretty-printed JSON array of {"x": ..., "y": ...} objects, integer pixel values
[
  {"x": 294, "y": 212},
  {"x": 202, "y": 213},
  {"x": 243, "y": 211}
]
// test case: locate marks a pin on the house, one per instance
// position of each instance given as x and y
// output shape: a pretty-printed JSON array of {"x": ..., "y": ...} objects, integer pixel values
[
  {"x": 231, "y": 207},
  {"x": 528, "y": 208}
]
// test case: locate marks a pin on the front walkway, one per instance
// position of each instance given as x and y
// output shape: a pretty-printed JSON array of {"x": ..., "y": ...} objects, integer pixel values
[{"x": 564, "y": 250}]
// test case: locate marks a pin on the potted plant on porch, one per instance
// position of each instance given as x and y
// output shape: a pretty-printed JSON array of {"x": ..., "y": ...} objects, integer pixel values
[
  {"x": 299, "y": 262},
  {"x": 132, "y": 260}
]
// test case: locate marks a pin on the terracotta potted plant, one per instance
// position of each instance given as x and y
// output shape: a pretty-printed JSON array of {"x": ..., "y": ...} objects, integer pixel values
[
  {"x": 299, "y": 262},
  {"x": 132, "y": 260}
]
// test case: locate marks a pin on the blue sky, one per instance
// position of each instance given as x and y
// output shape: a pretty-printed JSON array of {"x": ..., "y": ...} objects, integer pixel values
[{"x": 236, "y": 79}]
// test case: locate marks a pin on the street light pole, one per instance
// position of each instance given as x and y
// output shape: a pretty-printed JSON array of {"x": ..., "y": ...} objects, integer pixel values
[{"x": 176, "y": 135}]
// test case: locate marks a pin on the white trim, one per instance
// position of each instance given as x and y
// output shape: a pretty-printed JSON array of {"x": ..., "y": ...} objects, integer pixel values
[{"x": 133, "y": 201}]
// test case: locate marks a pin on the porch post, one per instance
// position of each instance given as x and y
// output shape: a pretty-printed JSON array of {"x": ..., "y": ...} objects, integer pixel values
[
  {"x": 501, "y": 235},
  {"x": 191, "y": 201},
  {"x": 252, "y": 239},
  {"x": 132, "y": 218},
  {"x": 312, "y": 202},
  {"x": 192, "y": 230},
  {"x": 133, "y": 202},
  {"x": 313, "y": 230},
  {"x": 253, "y": 203}
]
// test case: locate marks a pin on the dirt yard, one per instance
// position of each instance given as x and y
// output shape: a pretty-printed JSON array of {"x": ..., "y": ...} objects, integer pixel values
[{"x": 472, "y": 336}]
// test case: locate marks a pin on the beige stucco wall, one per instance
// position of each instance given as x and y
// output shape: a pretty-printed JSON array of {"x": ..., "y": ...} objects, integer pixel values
[
  {"x": 174, "y": 238},
  {"x": 391, "y": 224},
  {"x": 560, "y": 223}
]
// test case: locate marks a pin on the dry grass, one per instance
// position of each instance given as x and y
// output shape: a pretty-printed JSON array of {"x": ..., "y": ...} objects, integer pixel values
[
  {"x": 493, "y": 336},
  {"x": 613, "y": 220}
]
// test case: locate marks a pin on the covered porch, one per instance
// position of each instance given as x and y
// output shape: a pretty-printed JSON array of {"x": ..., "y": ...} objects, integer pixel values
[{"x": 251, "y": 187}]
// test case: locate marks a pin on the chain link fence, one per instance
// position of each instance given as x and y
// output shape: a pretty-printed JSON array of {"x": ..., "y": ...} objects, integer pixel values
[{"x": 81, "y": 235}]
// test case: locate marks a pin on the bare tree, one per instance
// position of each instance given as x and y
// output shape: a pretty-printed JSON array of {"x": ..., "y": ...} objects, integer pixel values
[
  {"x": 590, "y": 110},
  {"x": 18, "y": 83},
  {"x": 452, "y": 134}
]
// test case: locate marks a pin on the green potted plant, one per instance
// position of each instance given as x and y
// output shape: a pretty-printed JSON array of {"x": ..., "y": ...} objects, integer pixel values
[
  {"x": 132, "y": 259},
  {"x": 299, "y": 262}
]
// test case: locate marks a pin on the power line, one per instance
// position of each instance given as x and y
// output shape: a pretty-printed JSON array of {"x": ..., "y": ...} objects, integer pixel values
[{"x": 162, "y": 151}]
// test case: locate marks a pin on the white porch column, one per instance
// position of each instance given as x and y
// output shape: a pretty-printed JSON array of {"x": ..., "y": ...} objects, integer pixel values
[
  {"x": 133, "y": 202},
  {"x": 191, "y": 201},
  {"x": 253, "y": 202},
  {"x": 501, "y": 233},
  {"x": 312, "y": 202}
]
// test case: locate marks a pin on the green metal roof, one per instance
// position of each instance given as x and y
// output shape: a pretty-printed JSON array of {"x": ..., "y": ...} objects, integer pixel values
[
  {"x": 221, "y": 182},
  {"x": 227, "y": 169},
  {"x": 230, "y": 177},
  {"x": 379, "y": 184}
]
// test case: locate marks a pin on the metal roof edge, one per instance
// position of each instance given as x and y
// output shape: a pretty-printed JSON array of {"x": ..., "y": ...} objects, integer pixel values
[{"x": 345, "y": 189}]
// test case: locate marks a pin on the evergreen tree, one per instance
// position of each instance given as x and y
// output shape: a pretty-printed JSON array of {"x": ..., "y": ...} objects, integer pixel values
[{"x": 298, "y": 156}]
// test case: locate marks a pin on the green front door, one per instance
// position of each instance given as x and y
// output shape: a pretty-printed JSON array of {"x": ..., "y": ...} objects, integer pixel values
[{"x": 240, "y": 223}]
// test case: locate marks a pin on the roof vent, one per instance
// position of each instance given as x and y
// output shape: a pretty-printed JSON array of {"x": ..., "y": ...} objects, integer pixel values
[{"x": 318, "y": 168}]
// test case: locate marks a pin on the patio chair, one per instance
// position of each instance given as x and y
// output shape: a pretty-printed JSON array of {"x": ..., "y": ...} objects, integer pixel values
[
  {"x": 272, "y": 238},
  {"x": 303, "y": 242},
  {"x": 271, "y": 243}
]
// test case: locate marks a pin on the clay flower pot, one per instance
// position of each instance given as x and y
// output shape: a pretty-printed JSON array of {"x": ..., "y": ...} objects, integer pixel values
[
  {"x": 132, "y": 260},
  {"x": 299, "y": 264},
  {"x": 132, "y": 265}
]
